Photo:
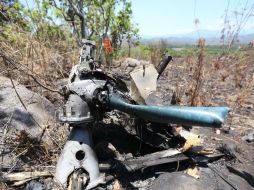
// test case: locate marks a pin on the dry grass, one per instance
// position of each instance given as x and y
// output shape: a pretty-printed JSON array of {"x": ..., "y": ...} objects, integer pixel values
[
  {"x": 203, "y": 78},
  {"x": 36, "y": 64},
  {"x": 196, "y": 97},
  {"x": 48, "y": 63},
  {"x": 157, "y": 50},
  {"x": 29, "y": 149}
]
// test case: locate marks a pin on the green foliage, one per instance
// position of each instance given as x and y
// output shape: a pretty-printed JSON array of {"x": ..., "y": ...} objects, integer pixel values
[
  {"x": 123, "y": 28},
  {"x": 36, "y": 18},
  {"x": 48, "y": 20},
  {"x": 144, "y": 51},
  {"x": 7, "y": 35},
  {"x": 140, "y": 51},
  {"x": 103, "y": 20},
  {"x": 180, "y": 51},
  {"x": 11, "y": 11}
]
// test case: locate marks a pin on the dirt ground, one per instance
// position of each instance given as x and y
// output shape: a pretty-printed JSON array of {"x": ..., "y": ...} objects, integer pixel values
[
  {"x": 220, "y": 87},
  {"x": 236, "y": 169},
  {"x": 240, "y": 170}
]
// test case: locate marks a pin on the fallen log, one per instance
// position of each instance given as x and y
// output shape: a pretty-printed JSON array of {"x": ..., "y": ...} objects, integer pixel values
[{"x": 20, "y": 178}]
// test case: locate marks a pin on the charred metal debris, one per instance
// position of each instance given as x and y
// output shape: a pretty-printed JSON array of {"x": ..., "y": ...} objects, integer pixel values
[{"x": 91, "y": 94}]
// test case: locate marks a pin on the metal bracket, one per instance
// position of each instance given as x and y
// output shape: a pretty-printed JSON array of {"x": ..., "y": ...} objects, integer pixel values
[{"x": 77, "y": 153}]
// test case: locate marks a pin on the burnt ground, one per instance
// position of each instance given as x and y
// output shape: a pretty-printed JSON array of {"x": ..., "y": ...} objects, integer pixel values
[
  {"x": 225, "y": 85},
  {"x": 223, "y": 82},
  {"x": 239, "y": 170}
]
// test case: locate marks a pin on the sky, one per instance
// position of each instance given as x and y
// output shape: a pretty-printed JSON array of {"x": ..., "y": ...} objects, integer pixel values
[
  {"x": 176, "y": 17},
  {"x": 164, "y": 17}
]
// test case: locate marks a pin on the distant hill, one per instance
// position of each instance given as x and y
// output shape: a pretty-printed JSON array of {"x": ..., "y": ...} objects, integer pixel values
[{"x": 212, "y": 38}]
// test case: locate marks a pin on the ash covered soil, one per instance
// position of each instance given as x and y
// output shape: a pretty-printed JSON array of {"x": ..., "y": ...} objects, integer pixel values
[
  {"x": 220, "y": 88},
  {"x": 225, "y": 82}
]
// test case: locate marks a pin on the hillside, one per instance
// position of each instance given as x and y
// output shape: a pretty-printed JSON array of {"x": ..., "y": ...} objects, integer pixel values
[{"x": 212, "y": 38}]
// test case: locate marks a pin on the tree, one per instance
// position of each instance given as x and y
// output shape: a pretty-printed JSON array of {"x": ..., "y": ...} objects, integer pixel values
[
  {"x": 99, "y": 18},
  {"x": 10, "y": 11},
  {"x": 92, "y": 19}
]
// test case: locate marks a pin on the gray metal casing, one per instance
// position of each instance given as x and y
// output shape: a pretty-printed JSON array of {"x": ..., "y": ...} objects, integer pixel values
[{"x": 76, "y": 110}]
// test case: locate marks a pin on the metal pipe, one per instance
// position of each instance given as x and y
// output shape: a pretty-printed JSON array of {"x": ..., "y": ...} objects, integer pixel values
[
  {"x": 162, "y": 66},
  {"x": 195, "y": 116}
]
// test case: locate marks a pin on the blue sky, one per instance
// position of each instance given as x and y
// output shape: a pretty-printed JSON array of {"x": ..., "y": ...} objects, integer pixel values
[
  {"x": 163, "y": 17},
  {"x": 168, "y": 17}
]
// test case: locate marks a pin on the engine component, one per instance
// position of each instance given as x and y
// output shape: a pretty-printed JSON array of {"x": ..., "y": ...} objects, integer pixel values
[
  {"x": 75, "y": 111},
  {"x": 90, "y": 93},
  {"x": 78, "y": 153}
]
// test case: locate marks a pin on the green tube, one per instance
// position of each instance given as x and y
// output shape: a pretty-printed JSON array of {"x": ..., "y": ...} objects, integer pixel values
[{"x": 183, "y": 115}]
